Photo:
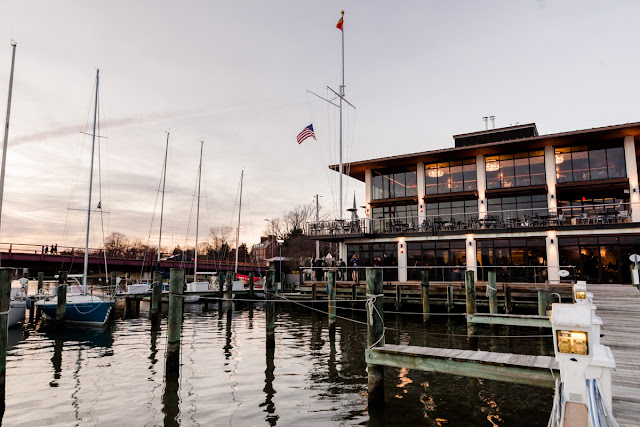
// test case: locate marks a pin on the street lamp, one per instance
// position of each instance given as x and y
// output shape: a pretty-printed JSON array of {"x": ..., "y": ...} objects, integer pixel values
[
  {"x": 280, "y": 242},
  {"x": 270, "y": 221}
]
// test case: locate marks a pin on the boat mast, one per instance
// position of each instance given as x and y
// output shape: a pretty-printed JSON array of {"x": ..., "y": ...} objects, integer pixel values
[
  {"x": 6, "y": 128},
  {"x": 195, "y": 266},
  {"x": 93, "y": 147},
  {"x": 342, "y": 93},
  {"x": 164, "y": 181},
  {"x": 238, "y": 229}
]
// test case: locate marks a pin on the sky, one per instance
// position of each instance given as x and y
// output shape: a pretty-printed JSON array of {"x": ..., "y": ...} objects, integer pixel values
[{"x": 235, "y": 74}]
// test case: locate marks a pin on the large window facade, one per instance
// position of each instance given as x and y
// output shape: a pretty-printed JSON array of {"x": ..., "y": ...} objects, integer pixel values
[
  {"x": 515, "y": 170},
  {"x": 459, "y": 210},
  {"x": 518, "y": 206},
  {"x": 447, "y": 260},
  {"x": 574, "y": 164},
  {"x": 518, "y": 260},
  {"x": 599, "y": 259},
  {"x": 368, "y": 251},
  {"x": 387, "y": 219},
  {"x": 450, "y": 177},
  {"x": 390, "y": 184}
]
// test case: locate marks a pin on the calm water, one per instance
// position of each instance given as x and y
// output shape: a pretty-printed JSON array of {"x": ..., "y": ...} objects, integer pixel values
[{"x": 115, "y": 375}]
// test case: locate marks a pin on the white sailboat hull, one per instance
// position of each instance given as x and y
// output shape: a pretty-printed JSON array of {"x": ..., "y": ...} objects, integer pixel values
[{"x": 16, "y": 312}]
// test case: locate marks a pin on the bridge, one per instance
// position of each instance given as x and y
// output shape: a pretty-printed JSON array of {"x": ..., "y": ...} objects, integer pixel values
[{"x": 71, "y": 259}]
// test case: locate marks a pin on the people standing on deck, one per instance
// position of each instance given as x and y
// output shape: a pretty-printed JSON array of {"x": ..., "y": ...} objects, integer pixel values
[
  {"x": 355, "y": 263},
  {"x": 46, "y": 249},
  {"x": 318, "y": 269}
]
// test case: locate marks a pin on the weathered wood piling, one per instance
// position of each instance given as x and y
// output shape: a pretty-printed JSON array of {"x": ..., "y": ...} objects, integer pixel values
[
  {"x": 174, "y": 322},
  {"x": 375, "y": 336},
  {"x": 493, "y": 292},
  {"x": 5, "y": 301},
  {"x": 270, "y": 309},
  {"x": 424, "y": 285},
  {"x": 331, "y": 299},
  {"x": 251, "y": 292},
  {"x": 40, "y": 281},
  {"x": 61, "y": 308},
  {"x": 470, "y": 293}
]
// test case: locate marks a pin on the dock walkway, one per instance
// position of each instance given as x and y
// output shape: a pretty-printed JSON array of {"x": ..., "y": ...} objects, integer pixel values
[{"x": 619, "y": 308}]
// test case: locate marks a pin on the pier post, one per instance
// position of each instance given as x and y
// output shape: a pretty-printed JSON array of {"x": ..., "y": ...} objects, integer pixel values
[
  {"x": 426, "y": 309},
  {"x": 470, "y": 294},
  {"x": 449, "y": 298},
  {"x": 112, "y": 284},
  {"x": 5, "y": 300},
  {"x": 270, "y": 309},
  {"x": 375, "y": 336},
  {"x": 301, "y": 279},
  {"x": 40, "y": 281},
  {"x": 542, "y": 302},
  {"x": 251, "y": 293},
  {"x": 507, "y": 299},
  {"x": 230, "y": 286},
  {"x": 354, "y": 294},
  {"x": 331, "y": 299},
  {"x": 156, "y": 297},
  {"x": 61, "y": 308},
  {"x": 127, "y": 280},
  {"x": 398, "y": 297},
  {"x": 314, "y": 292},
  {"x": 493, "y": 292},
  {"x": 174, "y": 322}
]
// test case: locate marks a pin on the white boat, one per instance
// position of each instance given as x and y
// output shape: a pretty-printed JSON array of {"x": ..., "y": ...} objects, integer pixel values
[
  {"x": 17, "y": 304},
  {"x": 83, "y": 307}
]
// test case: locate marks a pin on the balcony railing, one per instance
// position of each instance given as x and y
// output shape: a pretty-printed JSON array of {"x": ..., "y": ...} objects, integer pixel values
[{"x": 506, "y": 219}]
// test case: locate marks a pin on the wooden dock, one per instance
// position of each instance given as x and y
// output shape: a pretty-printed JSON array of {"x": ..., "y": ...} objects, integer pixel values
[
  {"x": 518, "y": 368},
  {"x": 619, "y": 308}
]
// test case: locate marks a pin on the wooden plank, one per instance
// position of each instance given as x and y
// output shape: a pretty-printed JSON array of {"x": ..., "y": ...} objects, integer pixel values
[{"x": 512, "y": 320}]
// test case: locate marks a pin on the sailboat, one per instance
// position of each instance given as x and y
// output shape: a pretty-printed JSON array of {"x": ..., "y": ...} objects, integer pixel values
[
  {"x": 198, "y": 285},
  {"x": 17, "y": 304},
  {"x": 240, "y": 285},
  {"x": 145, "y": 287},
  {"x": 83, "y": 307}
]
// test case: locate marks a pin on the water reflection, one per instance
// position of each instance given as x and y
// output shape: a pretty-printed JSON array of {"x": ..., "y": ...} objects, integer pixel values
[{"x": 269, "y": 390}]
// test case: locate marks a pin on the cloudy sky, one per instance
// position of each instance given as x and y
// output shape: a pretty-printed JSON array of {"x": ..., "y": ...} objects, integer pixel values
[{"x": 235, "y": 74}]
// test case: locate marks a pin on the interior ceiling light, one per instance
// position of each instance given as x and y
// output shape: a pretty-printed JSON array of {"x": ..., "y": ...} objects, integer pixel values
[
  {"x": 559, "y": 158},
  {"x": 435, "y": 173},
  {"x": 493, "y": 166}
]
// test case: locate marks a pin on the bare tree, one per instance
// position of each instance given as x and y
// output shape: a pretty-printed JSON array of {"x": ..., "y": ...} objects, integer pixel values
[
  {"x": 276, "y": 228},
  {"x": 220, "y": 237},
  {"x": 116, "y": 244}
]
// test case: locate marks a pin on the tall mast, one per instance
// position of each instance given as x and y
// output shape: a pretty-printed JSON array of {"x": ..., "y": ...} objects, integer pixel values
[
  {"x": 238, "y": 228},
  {"x": 164, "y": 181},
  {"x": 93, "y": 148},
  {"x": 342, "y": 93},
  {"x": 195, "y": 266},
  {"x": 6, "y": 128}
]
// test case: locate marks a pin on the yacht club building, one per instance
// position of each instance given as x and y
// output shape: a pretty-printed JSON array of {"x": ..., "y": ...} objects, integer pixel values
[{"x": 507, "y": 200}]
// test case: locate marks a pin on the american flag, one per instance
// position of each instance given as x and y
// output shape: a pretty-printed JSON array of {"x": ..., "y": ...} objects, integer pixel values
[{"x": 306, "y": 133}]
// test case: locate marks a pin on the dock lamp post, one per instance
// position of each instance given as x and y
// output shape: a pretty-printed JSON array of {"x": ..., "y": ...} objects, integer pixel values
[{"x": 280, "y": 242}]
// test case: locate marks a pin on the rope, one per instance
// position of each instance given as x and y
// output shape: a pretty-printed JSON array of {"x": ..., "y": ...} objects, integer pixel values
[
  {"x": 371, "y": 308},
  {"x": 5, "y": 312},
  {"x": 489, "y": 287},
  {"x": 320, "y": 311}
]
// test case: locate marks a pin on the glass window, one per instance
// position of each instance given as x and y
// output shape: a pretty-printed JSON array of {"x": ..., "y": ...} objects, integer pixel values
[
  {"x": 536, "y": 170},
  {"x": 450, "y": 177},
  {"x": 521, "y": 167},
  {"x": 589, "y": 163},
  {"x": 391, "y": 184},
  {"x": 615, "y": 163},
  {"x": 515, "y": 170}
]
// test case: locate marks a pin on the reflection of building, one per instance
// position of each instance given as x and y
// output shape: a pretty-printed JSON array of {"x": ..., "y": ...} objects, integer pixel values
[
  {"x": 510, "y": 200},
  {"x": 264, "y": 250}
]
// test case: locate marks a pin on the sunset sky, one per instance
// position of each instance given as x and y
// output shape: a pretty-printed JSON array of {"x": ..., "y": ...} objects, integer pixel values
[{"x": 235, "y": 74}]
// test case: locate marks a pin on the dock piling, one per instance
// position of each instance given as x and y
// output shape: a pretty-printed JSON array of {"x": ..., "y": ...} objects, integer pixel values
[
  {"x": 112, "y": 283},
  {"x": 5, "y": 299},
  {"x": 449, "y": 298},
  {"x": 354, "y": 295},
  {"x": 251, "y": 293},
  {"x": 331, "y": 299},
  {"x": 174, "y": 322},
  {"x": 507, "y": 299},
  {"x": 493, "y": 292},
  {"x": 375, "y": 335},
  {"x": 40, "y": 281},
  {"x": 61, "y": 308},
  {"x": 470, "y": 293},
  {"x": 398, "y": 297},
  {"x": 426, "y": 308},
  {"x": 230, "y": 280},
  {"x": 314, "y": 292},
  {"x": 270, "y": 309},
  {"x": 542, "y": 302}
]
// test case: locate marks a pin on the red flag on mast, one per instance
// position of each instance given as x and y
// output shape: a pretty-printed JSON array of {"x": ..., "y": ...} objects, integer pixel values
[{"x": 340, "y": 22}]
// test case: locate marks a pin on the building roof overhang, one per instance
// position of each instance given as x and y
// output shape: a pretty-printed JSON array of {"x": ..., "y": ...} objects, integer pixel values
[{"x": 586, "y": 136}]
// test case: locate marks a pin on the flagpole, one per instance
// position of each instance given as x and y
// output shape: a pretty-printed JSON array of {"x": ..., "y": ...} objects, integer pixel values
[{"x": 341, "y": 96}]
